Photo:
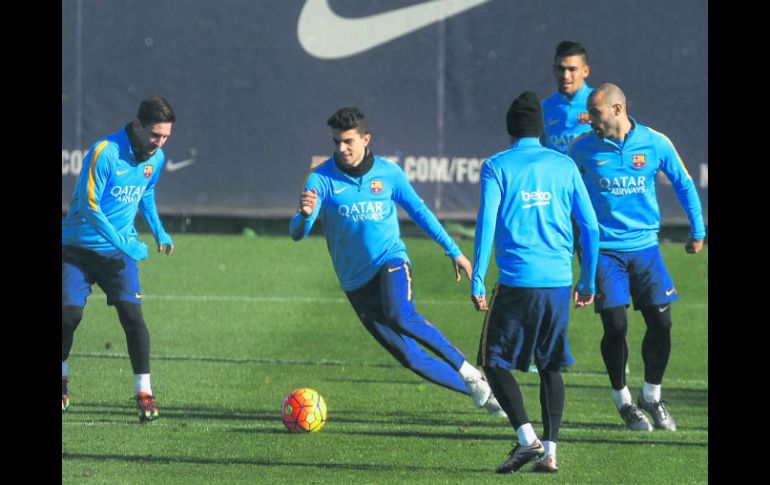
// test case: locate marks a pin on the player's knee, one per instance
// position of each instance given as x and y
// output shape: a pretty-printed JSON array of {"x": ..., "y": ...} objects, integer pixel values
[
  {"x": 71, "y": 316},
  {"x": 615, "y": 321},
  {"x": 658, "y": 317},
  {"x": 130, "y": 315}
]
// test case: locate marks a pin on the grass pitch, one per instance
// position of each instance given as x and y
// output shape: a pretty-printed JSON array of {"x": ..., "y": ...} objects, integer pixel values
[{"x": 237, "y": 322}]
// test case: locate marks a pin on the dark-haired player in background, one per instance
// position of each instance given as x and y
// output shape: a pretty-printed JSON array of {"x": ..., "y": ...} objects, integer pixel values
[{"x": 99, "y": 240}]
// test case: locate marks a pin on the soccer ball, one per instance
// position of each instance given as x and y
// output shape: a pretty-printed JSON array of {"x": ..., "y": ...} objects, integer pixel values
[{"x": 303, "y": 411}]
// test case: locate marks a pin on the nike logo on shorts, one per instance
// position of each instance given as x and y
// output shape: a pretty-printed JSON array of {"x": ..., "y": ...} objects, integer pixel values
[
  {"x": 390, "y": 270},
  {"x": 670, "y": 292}
]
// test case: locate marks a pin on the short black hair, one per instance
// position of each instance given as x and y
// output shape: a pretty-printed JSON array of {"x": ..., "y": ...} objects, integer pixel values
[
  {"x": 347, "y": 119},
  {"x": 155, "y": 109},
  {"x": 568, "y": 48}
]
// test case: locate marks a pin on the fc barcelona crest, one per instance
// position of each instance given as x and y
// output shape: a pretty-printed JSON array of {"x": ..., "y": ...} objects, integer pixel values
[
  {"x": 583, "y": 118},
  {"x": 638, "y": 161},
  {"x": 147, "y": 171},
  {"x": 375, "y": 186}
]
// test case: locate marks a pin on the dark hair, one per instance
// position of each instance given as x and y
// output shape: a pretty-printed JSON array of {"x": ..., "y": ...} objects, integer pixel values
[
  {"x": 155, "y": 109},
  {"x": 347, "y": 119},
  {"x": 568, "y": 48}
]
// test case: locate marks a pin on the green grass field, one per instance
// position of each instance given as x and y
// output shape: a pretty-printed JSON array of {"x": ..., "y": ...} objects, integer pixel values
[{"x": 237, "y": 322}]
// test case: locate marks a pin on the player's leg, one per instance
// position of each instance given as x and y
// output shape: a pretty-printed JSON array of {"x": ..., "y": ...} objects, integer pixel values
[
  {"x": 612, "y": 286},
  {"x": 367, "y": 303},
  {"x": 653, "y": 292},
  {"x": 504, "y": 338},
  {"x": 398, "y": 307},
  {"x": 76, "y": 280},
  {"x": 119, "y": 279},
  {"x": 550, "y": 355},
  {"x": 70, "y": 318}
]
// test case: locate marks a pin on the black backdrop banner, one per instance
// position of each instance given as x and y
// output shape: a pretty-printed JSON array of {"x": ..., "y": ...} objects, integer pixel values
[{"x": 253, "y": 82}]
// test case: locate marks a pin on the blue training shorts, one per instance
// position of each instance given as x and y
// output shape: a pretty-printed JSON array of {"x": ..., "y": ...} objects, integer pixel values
[
  {"x": 523, "y": 324},
  {"x": 115, "y": 273},
  {"x": 638, "y": 276}
]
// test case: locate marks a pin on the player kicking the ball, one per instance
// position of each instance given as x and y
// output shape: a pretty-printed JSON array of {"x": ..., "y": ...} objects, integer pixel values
[{"x": 354, "y": 194}]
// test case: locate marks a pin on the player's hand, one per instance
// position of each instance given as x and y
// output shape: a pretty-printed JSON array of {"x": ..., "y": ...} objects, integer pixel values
[
  {"x": 168, "y": 249},
  {"x": 693, "y": 246},
  {"x": 479, "y": 302},
  {"x": 307, "y": 200},
  {"x": 582, "y": 300},
  {"x": 462, "y": 262},
  {"x": 165, "y": 244}
]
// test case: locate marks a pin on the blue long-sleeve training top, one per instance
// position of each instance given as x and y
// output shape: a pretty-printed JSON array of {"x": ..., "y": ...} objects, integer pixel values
[
  {"x": 565, "y": 119},
  {"x": 528, "y": 193},
  {"x": 111, "y": 187},
  {"x": 620, "y": 178},
  {"x": 360, "y": 219}
]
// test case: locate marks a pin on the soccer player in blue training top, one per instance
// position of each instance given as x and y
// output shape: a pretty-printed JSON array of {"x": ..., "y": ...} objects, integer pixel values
[
  {"x": 564, "y": 112},
  {"x": 528, "y": 195},
  {"x": 99, "y": 240},
  {"x": 354, "y": 195},
  {"x": 619, "y": 161}
]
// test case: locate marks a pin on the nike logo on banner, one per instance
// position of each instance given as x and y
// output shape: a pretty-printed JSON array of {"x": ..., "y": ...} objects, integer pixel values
[
  {"x": 173, "y": 166},
  {"x": 602, "y": 162},
  {"x": 337, "y": 191},
  {"x": 326, "y": 35},
  {"x": 670, "y": 292}
]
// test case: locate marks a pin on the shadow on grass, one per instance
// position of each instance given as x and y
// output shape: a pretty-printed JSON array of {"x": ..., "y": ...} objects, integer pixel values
[
  {"x": 458, "y": 429},
  {"x": 167, "y": 460}
]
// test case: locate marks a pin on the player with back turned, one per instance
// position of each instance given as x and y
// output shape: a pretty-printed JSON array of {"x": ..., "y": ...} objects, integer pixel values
[
  {"x": 99, "y": 240},
  {"x": 354, "y": 194},
  {"x": 529, "y": 194}
]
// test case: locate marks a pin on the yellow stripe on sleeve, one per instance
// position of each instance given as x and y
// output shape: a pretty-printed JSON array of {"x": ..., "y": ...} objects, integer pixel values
[
  {"x": 684, "y": 167},
  {"x": 92, "y": 202}
]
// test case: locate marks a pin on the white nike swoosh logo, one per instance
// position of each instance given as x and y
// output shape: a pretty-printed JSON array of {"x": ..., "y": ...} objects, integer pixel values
[
  {"x": 602, "y": 162},
  {"x": 326, "y": 35},
  {"x": 173, "y": 166},
  {"x": 552, "y": 122},
  {"x": 663, "y": 308},
  {"x": 337, "y": 191},
  {"x": 670, "y": 292},
  {"x": 120, "y": 172}
]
